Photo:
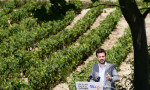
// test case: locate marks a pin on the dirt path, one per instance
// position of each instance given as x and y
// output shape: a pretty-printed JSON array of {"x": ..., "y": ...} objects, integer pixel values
[
  {"x": 118, "y": 32},
  {"x": 126, "y": 72},
  {"x": 100, "y": 18},
  {"x": 113, "y": 37},
  {"x": 78, "y": 17}
]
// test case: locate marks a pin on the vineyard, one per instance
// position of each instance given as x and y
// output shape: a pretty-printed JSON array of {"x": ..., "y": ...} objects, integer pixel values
[{"x": 40, "y": 47}]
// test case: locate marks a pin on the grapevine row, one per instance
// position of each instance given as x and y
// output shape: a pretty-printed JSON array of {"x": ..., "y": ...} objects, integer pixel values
[
  {"x": 28, "y": 38},
  {"x": 66, "y": 37},
  {"x": 10, "y": 70},
  {"x": 8, "y": 6},
  {"x": 19, "y": 14},
  {"x": 26, "y": 24},
  {"x": 14, "y": 61}
]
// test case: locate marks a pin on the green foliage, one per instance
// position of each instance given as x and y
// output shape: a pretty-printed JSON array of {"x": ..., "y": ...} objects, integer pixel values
[
  {"x": 24, "y": 11},
  {"x": 12, "y": 4},
  {"x": 144, "y": 5},
  {"x": 66, "y": 37},
  {"x": 119, "y": 53},
  {"x": 38, "y": 32},
  {"x": 12, "y": 43},
  {"x": 16, "y": 59},
  {"x": 103, "y": 30},
  {"x": 16, "y": 38},
  {"x": 17, "y": 15},
  {"x": 26, "y": 24},
  {"x": 7, "y": 7},
  {"x": 4, "y": 22},
  {"x": 7, "y": 29},
  {"x": 75, "y": 4}
]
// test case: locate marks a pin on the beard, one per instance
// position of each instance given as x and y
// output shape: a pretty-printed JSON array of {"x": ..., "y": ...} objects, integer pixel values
[{"x": 102, "y": 61}]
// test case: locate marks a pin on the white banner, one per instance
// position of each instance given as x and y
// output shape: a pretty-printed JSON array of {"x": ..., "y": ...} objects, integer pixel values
[{"x": 89, "y": 86}]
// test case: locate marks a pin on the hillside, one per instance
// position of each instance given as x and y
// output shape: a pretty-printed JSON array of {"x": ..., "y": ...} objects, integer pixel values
[{"x": 49, "y": 46}]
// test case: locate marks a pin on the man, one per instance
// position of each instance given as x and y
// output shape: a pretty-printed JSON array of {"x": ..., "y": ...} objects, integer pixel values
[{"x": 103, "y": 71}]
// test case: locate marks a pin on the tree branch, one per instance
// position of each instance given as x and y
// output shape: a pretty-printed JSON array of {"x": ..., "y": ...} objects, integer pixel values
[
  {"x": 106, "y": 5},
  {"x": 146, "y": 12}
]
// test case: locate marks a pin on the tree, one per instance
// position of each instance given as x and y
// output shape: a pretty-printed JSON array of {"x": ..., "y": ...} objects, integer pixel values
[{"x": 136, "y": 22}]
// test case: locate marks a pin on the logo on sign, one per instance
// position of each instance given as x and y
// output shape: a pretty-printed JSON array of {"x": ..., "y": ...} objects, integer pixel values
[{"x": 92, "y": 86}]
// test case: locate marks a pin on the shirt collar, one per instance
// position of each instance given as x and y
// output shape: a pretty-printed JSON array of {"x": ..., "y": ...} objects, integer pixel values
[{"x": 104, "y": 64}]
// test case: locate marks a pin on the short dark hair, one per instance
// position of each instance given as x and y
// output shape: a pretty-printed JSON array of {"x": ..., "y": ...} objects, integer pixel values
[{"x": 100, "y": 51}]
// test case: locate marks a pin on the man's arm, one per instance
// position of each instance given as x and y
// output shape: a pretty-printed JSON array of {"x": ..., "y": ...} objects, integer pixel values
[{"x": 115, "y": 76}]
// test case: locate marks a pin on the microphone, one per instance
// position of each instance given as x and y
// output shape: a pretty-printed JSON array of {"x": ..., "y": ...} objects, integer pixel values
[
  {"x": 90, "y": 77},
  {"x": 97, "y": 79}
]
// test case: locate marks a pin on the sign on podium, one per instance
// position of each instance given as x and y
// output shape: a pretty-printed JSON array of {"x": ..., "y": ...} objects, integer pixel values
[{"x": 89, "y": 86}]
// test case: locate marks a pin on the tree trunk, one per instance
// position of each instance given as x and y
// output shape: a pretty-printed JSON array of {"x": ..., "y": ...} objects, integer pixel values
[{"x": 137, "y": 25}]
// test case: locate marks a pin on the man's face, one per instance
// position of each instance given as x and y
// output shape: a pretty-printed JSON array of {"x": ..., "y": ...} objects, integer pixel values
[{"x": 101, "y": 58}]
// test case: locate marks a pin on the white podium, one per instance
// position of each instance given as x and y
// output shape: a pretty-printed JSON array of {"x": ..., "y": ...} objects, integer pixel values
[{"x": 88, "y": 86}]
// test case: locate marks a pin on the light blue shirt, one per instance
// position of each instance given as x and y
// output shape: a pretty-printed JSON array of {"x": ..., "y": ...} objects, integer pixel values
[{"x": 102, "y": 73}]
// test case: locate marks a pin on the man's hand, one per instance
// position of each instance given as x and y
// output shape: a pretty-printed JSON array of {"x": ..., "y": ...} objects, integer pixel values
[{"x": 108, "y": 77}]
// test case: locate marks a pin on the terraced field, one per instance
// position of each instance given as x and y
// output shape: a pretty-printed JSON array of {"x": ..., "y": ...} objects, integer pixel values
[{"x": 41, "y": 49}]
